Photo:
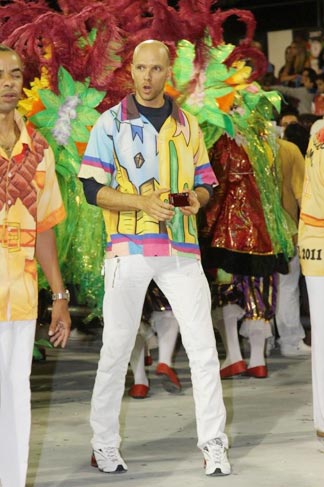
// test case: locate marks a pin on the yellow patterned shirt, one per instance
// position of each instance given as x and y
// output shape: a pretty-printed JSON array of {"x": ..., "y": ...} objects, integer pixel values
[
  {"x": 311, "y": 224},
  {"x": 30, "y": 202},
  {"x": 127, "y": 153}
]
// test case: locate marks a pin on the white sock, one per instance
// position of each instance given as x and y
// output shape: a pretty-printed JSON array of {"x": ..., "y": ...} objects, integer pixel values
[
  {"x": 257, "y": 331},
  {"x": 167, "y": 329},
  {"x": 137, "y": 361},
  {"x": 228, "y": 330}
]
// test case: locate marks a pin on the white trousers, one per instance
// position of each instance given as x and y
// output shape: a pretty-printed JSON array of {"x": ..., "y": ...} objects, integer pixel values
[
  {"x": 16, "y": 352},
  {"x": 315, "y": 291},
  {"x": 183, "y": 282},
  {"x": 288, "y": 321}
]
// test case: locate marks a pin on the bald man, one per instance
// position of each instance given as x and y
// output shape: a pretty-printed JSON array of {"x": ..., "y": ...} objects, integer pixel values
[{"x": 141, "y": 152}]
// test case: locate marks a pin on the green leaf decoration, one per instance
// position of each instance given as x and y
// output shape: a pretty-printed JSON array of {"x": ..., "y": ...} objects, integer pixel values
[
  {"x": 68, "y": 161},
  {"x": 92, "y": 36},
  {"x": 89, "y": 40},
  {"x": 66, "y": 84},
  {"x": 183, "y": 64},
  {"x": 42, "y": 342},
  {"x": 37, "y": 354},
  {"x": 274, "y": 98},
  {"x": 49, "y": 99},
  {"x": 72, "y": 150},
  {"x": 62, "y": 169},
  {"x": 216, "y": 74},
  {"x": 47, "y": 134},
  {"x": 80, "y": 88},
  {"x": 220, "y": 53},
  {"x": 46, "y": 118},
  {"x": 88, "y": 115},
  {"x": 218, "y": 92},
  {"x": 92, "y": 97},
  {"x": 79, "y": 131}
]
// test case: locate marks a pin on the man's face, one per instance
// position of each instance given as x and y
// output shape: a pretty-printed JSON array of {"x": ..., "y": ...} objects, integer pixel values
[
  {"x": 315, "y": 48},
  {"x": 287, "y": 119},
  {"x": 11, "y": 81},
  {"x": 150, "y": 70},
  {"x": 320, "y": 86}
]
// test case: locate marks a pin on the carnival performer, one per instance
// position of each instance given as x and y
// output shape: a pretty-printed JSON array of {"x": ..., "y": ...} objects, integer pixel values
[
  {"x": 310, "y": 242},
  {"x": 239, "y": 244},
  {"x": 30, "y": 205},
  {"x": 139, "y": 152}
]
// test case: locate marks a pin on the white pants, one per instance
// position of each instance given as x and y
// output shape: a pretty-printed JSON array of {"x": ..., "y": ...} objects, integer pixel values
[
  {"x": 184, "y": 284},
  {"x": 16, "y": 352},
  {"x": 288, "y": 321},
  {"x": 315, "y": 290}
]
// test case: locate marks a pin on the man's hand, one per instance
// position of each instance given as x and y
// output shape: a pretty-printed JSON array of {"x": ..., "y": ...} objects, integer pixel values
[
  {"x": 155, "y": 207},
  {"x": 194, "y": 205},
  {"x": 59, "y": 330}
]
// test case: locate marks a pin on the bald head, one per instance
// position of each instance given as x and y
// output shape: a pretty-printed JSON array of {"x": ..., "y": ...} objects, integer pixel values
[
  {"x": 154, "y": 45},
  {"x": 150, "y": 70}
]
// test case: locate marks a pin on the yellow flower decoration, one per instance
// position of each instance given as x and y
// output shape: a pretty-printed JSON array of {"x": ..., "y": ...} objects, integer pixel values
[{"x": 26, "y": 106}]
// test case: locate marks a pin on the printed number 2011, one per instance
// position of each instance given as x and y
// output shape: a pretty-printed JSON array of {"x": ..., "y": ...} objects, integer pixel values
[{"x": 311, "y": 254}]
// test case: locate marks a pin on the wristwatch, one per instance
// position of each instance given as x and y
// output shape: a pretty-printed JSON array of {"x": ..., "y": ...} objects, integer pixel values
[{"x": 61, "y": 295}]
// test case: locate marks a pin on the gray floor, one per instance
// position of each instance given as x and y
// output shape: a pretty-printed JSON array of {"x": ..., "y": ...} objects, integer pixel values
[{"x": 269, "y": 425}]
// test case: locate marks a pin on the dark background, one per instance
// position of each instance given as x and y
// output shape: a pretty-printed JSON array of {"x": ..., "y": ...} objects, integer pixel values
[{"x": 273, "y": 14}]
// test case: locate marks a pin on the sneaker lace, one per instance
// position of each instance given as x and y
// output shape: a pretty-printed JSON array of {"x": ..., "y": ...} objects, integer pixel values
[
  {"x": 111, "y": 453},
  {"x": 215, "y": 448}
]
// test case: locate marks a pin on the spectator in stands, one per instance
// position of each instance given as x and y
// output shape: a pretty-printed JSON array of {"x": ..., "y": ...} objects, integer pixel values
[
  {"x": 318, "y": 103},
  {"x": 305, "y": 93}
]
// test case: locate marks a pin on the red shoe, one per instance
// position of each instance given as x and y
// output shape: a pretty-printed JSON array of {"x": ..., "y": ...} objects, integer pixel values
[
  {"x": 260, "y": 372},
  {"x": 138, "y": 391},
  {"x": 234, "y": 369},
  {"x": 169, "y": 378}
]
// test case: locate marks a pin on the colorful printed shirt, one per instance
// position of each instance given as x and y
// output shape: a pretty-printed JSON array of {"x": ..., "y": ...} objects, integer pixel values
[
  {"x": 30, "y": 202},
  {"x": 311, "y": 223},
  {"x": 126, "y": 153}
]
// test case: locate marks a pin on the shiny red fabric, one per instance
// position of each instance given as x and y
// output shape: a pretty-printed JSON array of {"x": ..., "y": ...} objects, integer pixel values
[{"x": 234, "y": 217}]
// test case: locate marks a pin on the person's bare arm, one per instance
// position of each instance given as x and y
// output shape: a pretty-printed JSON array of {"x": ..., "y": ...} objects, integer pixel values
[{"x": 46, "y": 254}]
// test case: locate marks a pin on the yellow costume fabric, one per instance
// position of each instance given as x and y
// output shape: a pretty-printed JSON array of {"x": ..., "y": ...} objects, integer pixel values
[{"x": 30, "y": 202}]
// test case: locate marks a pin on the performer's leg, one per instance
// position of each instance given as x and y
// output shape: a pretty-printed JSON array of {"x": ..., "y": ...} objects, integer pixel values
[
  {"x": 231, "y": 314},
  {"x": 16, "y": 351},
  {"x": 185, "y": 286},
  {"x": 257, "y": 331},
  {"x": 315, "y": 289},
  {"x": 290, "y": 329},
  {"x": 126, "y": 282},
  {"x": 137, "y": 361},
  {"x": 167, "y": 329}
]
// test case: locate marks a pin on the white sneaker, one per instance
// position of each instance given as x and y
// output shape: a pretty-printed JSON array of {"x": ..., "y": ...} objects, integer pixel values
[
  {"x": 108, "y": 460},
  {"x": 299, "y": 350},
  {"x": 215, "y": 455}
]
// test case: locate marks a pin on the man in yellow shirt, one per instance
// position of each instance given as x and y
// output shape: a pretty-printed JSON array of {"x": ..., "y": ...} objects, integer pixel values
[
  {"x": 30, "y": 205},
  {"x": 311, "y": 255}
]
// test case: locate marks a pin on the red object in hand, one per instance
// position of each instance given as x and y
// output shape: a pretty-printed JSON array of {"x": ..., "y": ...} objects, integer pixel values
[{"x": 179, "y": 199}]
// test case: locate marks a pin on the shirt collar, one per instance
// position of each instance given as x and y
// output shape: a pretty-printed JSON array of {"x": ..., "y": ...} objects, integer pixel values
[
  {"x": 24, "y": 135},
  {"x": 129, "y": 110}
]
